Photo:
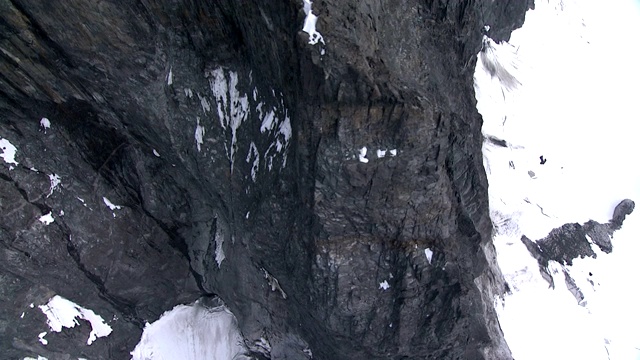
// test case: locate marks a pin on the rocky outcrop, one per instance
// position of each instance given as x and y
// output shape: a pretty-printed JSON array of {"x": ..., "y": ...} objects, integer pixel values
[
  {"x": 572, "y": 241},
  {"x": 332, "y": 195}
]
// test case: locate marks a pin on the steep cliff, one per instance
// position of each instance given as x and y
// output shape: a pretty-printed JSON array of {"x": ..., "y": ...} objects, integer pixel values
[{"x": 331, "y": 194}]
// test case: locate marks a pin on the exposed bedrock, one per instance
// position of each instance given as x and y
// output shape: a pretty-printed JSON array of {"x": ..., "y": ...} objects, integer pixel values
[{"x": 204, "y": 147}]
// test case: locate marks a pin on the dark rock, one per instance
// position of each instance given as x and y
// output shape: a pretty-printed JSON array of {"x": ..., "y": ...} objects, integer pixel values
[
  {"x": 163, "y": 108},
  {"x": 572, "y": 241}
]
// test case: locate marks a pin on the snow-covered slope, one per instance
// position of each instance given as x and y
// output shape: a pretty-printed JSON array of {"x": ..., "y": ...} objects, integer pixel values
[
  {"x": 192, "y": 332},
  {"x": 561, "y": 149}
]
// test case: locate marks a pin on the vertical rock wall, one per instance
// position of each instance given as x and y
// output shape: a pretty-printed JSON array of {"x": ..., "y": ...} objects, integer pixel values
[{"x": 233, "y": 150}]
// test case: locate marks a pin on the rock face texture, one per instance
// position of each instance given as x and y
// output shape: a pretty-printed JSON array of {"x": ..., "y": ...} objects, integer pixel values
[
  {"x": 573, "y": 241},
  {"x": 198, "y": 148}
]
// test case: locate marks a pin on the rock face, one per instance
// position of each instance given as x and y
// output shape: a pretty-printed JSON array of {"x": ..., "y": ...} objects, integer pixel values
[
  {"x": 573, "y": 241},
  {"x": 206, "y": 148}
]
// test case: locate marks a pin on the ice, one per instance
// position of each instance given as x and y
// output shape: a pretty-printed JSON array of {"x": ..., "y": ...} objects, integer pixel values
[
  {"x": 8, "y": 152},
  {"x": 192, "y": 332},
  {"x": 61, "y": 313},
  {"x": 46, "y": 219}
]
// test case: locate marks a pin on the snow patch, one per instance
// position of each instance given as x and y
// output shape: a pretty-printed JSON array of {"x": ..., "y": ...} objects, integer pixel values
[
  {"x": 384, "y": 285},
  {"x": 54, "y": 182},
  {"x": 253, "y": 153},
  {"x": 381, "y": 153},
  {"x": 310, "y": 24},
  {"x": 219, "y": 240},
  {"x": 45, "y": 124},
  {"x": 46, "y": 219},
  {"x": 204, "y": 103},
  {"x": 156, "y": 153},
  {"x": 191, "y": 332},
  {"x": 429, "y": 254},
  {"x": 41, "y": 338},
  {"x": 188, "y": 93},
  {"x": 362, "y": 155},
  {"x": 110, "y": 205},
  {"x": 8, "y": 152},
  {"x": 268, "y": 122},
  {"x": 199, "y": 134},
  {"x": 233, "y": 107},
  {"x": 170, "y": 77},
  {"x": 61, "y": 313},
  {"x": 274, "y": 283}
]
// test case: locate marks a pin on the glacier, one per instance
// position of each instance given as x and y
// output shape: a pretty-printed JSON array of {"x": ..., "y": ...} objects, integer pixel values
[{"x": 558, "y": 150}]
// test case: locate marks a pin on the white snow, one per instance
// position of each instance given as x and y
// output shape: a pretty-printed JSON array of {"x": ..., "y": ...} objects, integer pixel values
[
  {"x": 204, "y": 103},
  {"x": 54, "y": 182},
  {"x": 8, "y": 152},
  {"x": 393, "y": 152},
  {"x": 191, "y": 332},
  {"x": 381, "y": 153},
  {"x": 156, "y": 153},
  {"x": 384, "y": 285},
  {"x": 46, "y": 219},
  {"x": 220, "y": 256},
  {"x": 110, "y": 205},
  {"x": 576, "y": 61},
  {"x": 429, "y": 254},
  {"x": 61, "y": 313},
  {"x": 233, "y": 107},
  {"x": 199, "y": 134},
  {"x": 188, "y": 93},
  {"x": 310, "y": 24},
  {"x": 41, "y": 338},
  {"x": 45, "y": 124},
  {"x": 268, "y": 122},
  {"x": 362, "y": 155},
  {"x": 170, "y": 77},
  {"x": 39, "y": 358},
  {"x": 253, "y": 153},
  {"x": 22, "y": 315}
]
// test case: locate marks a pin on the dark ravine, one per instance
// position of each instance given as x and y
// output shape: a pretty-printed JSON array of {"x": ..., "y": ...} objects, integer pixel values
[{"x": 216, "y": 126}]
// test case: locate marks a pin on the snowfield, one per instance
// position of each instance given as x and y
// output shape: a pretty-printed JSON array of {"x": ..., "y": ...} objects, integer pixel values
[
  {"x": 192, "y": 332},
  {"x": 561, "y": 148}
]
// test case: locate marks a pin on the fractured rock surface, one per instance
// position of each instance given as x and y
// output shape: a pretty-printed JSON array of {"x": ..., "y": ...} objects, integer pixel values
[{"x": 206, "y": 148}]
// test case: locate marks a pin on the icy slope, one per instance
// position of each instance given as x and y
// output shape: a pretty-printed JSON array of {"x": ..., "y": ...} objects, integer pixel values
[
  {"x": 561, "y": 148},
  {"x": 192, "y": 332}
]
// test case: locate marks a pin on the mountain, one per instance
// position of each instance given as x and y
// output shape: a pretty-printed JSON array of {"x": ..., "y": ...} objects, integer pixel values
[{"x": 326, "y": 185}]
